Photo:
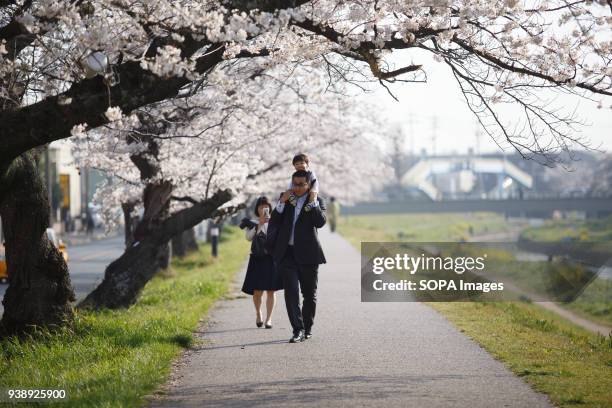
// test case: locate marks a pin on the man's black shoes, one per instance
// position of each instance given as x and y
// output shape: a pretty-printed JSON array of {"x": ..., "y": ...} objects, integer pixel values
[
  {"x": 297, "y": 337},
  {"x": 300, "y": 337}
]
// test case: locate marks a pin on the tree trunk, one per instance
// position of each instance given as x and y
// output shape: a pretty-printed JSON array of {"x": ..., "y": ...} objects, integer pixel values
[
  {"x": 190, "y": 240},
  {"x": 164, "y": 255},
  {"x": 178, "y": 246},
  {"x": 39, "y": 291},
  {"x": 185, "y": 243},
  {"x": 125, "y": 277},
  {"x": 130, "y": 222}
]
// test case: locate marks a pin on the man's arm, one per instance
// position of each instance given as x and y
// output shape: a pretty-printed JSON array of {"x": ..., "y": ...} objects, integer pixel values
[
  {"x": 280, "y": 205},
  {"x": 318, "y": 212},
  {"x": 279, "y": 208},
  {"x": 276, "y": 216}
]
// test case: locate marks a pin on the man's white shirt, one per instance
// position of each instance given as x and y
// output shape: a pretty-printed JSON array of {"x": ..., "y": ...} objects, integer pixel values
[{"x": 301, "y": 201}]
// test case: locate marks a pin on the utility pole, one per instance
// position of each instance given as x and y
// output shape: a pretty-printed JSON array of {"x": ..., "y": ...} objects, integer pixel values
[
  {"x": 411, "y": 133},
  {"x": 478, "y": 134},
  {"x": 87, "y": 188},
  {"x": 434, "y": 134},
  {"x": 84, "y": 171}
]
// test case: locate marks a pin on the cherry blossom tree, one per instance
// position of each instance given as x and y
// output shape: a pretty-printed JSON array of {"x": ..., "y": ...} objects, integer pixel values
[
  {"x": 211, "y": 152},
  {"x": 70, "y": 66}
]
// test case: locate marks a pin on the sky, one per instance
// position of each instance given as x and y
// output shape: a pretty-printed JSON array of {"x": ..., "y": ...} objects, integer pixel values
[{"x": 441, "y": 98}]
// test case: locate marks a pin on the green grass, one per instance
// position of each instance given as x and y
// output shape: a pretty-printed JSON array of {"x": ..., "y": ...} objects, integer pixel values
[
  {"x": 442, "y": 227},
  {"x": 565, "y": 362},
  {"x": 571, "y": 365},
  {"x": 597, "y": 230},
  {"x": 115, "y": 358},
  {"x": 594, "y": 303}
]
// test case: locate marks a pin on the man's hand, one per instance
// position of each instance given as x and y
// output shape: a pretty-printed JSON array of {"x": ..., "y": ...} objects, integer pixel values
[{"x": 285, "y": 196}]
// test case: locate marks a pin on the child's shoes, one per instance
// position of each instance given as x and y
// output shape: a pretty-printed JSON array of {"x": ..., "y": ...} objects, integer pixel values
[
  {"x": 292, "y": 199},
  {"x": 309, "y": 206}
]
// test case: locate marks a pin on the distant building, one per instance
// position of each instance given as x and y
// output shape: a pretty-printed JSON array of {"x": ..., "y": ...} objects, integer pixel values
[
  {"x": 70, "y": 187},
  {"x": 471, "y": 176}
]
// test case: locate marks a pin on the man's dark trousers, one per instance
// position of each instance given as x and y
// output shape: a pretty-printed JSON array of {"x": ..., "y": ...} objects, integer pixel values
[{"x": 296, "y": 277}]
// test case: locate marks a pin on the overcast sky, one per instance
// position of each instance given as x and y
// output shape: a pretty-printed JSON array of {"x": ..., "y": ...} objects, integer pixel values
[{"x": 456, "y": 125}]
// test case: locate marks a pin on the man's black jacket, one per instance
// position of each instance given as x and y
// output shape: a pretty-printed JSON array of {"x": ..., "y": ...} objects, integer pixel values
[{"x": 307, "y": 249}]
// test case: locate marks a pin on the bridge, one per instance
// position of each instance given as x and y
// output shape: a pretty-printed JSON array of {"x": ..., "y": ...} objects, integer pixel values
[
  {"x": 541, "y": 207},
  {"x": 463, "y": 171}
]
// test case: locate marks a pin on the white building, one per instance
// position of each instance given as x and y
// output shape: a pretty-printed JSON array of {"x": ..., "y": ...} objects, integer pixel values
[{"x": 68, "y": 177}]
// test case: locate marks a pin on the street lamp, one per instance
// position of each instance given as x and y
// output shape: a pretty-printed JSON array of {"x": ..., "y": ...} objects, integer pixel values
[{"x": 94, "y": 64}]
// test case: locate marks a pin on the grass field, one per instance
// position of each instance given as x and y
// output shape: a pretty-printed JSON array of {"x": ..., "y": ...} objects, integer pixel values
[
  {"x": 441, "y": 227},
  {"x": 595, "y": 230},
  {"x": 595, "y": 303},
  {"x": 571, "y": 365},
  {"x": 114, "y": 358}
]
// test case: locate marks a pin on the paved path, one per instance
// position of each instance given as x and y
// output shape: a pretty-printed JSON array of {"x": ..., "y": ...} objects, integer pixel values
[
  {"x": 361, "y": 354},
  {"x": 576, "y": 319}
]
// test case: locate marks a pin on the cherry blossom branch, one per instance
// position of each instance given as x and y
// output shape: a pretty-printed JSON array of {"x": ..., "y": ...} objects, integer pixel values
[{"x": 513, "y": 68}]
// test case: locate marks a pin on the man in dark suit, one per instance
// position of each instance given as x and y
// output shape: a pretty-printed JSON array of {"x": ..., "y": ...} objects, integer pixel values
[{"x": 297, "y": 253}]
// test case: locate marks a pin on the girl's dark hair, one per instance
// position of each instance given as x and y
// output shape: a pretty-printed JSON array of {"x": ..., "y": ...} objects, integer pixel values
[
  {"x": 300, "y": 157},
  {"x": 262, "y": 200}
]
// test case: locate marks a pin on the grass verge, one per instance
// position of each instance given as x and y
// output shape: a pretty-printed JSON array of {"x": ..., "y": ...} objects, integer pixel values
[
  {"x": 115, "y": 358},
  {"x": 440, "y": 227},
  {"x": 572, "y": 366},
  {"x": 596, "y": 230}
]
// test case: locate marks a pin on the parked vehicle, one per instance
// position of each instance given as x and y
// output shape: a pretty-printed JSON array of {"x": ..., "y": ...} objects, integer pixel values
[
  {"x": 3, "y": 273},
  {"x": 59, "y": 244}
]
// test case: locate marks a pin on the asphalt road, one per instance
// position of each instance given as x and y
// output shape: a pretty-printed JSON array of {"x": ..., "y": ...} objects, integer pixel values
[
  {"x": 393, "y": 354},
  {"x": 86, "y": 264}
]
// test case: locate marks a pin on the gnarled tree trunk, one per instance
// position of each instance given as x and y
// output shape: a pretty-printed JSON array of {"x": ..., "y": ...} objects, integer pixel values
[
  {"x": 39, "y": 291},
  {"x": 185, "y": 243},
  {"x": 130, "y": 223},
  {"x": 126, "y": 276}
]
